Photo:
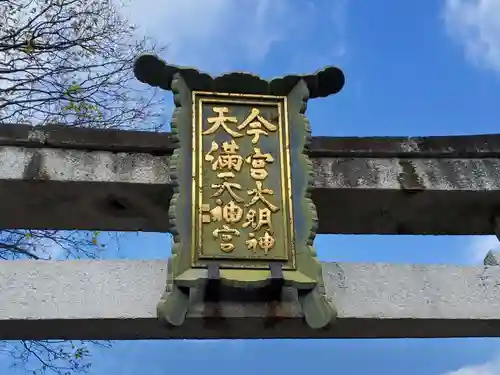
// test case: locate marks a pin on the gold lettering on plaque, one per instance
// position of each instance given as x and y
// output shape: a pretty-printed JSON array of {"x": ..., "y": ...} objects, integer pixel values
[
  {"x": 255, "y": 123},
  {"x": 220, "y": 121},
  {"x": 258, "y": 195}
]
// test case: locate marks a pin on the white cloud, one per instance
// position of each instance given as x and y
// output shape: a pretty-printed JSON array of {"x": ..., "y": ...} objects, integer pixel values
[
  {"x": 475, "y": 24},
  {"x": 488, "y": 368},
  {"x": 479, "y": 246},
  {"x": 216, "y": 35},
  {"x": 339, "y": 17}
]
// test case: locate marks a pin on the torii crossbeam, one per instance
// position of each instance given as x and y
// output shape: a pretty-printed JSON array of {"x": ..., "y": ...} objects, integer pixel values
[{"x": 118, "y": 180}]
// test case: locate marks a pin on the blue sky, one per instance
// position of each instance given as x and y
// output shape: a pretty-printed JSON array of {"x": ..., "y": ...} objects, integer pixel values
[{"x": 412, "y": 68}]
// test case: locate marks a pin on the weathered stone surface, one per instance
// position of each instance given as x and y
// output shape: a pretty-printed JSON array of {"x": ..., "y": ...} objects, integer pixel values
[
  {"x": 492, "y": 258},
  {"x": 464, "y": 146},
  {"x": 66, "y": 188},
  {"x": 407, "y": 196},
  {"x": 118, "y": 180},
  {"x": 117, "y": 300},
  {"x": 62, "y": 136},
  {"x": 130, "y": 191}
]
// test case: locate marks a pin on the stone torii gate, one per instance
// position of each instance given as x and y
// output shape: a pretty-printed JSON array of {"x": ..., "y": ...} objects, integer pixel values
[{"x": 67, "y": 178}]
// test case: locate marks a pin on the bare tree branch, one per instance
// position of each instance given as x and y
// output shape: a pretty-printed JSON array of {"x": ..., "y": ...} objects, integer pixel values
[{"x": 67, "y": 61}]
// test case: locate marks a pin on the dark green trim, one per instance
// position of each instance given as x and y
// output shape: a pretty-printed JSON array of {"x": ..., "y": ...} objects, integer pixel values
[{"x": 154, "y": 71}]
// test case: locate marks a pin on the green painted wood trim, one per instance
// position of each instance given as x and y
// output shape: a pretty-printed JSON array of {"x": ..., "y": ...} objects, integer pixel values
[{"x": 156, "y": 72}]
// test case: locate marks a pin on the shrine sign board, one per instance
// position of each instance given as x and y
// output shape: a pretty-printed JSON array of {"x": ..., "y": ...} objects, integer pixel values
[
  {"x": 241, "y": 180},
  {"x": 241, "y": 211},
  {"x": 244, "y": 196}
]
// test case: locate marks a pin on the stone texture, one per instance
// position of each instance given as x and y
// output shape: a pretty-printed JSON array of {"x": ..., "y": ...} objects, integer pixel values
[
  {"x": 130, "y": 191},
  {"x": 117, "y": 300},
  {"x": 64, "y": 136},
  {"x": 102, "y": 190},
  {"x": 160, "y": 143},
  {"x": 462, "y": 146},
  {"x": 492, "y": 258}
]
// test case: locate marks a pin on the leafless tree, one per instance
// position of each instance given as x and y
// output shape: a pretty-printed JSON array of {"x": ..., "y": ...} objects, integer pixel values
[{"x": 70, "y": 62}]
